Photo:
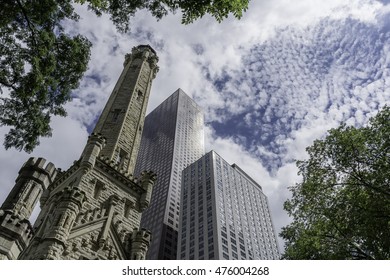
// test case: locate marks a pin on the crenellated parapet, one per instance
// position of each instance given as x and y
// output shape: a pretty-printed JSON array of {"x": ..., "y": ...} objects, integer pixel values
[
  {"x": 37, "y": 169},
  {"x": 114, "y": 165},
  {"x": 34, "y": 178},
  {"x": 16, "y": 234},
  {"x": 71, "y": 194},
  {"x": 90, "y": 215},
  {"x": 61, "y": 178},
  {"x": 91, "y": 152},
  {"x": 144, "y": 52}
]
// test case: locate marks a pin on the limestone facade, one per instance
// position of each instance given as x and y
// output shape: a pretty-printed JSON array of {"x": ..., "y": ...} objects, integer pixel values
[{"x": 93, "y": 209}]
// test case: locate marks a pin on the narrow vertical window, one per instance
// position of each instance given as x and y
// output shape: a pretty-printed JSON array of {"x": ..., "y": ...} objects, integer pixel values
[
  {"x": 36, "y": 197},
  {"x": 121, "y": 158},
  {"x": 27, "y": 196},
  {"x": 99, "y": 186},
  {"x": 139, "y": 95},
  {"x": 115, "y": 115},
  {"x": 127, "y": 209},
  {"x": 65, "y": 221}
]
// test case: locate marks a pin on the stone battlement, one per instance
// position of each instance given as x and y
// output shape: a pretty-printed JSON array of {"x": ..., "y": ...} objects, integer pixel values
[
  {"x": 97, "y": 137},
  {"x": 115, "y": 166},
  {"x": 37, "y": 169},
  {"x": 63, "y": 175},
  {"x": 91, "y": 215},
  {"x": 141, "y": 235},
  {"x": 34, "y": 178},
  {"x": 15, "y": 225},
  {"x": 73, "y": 194},
  {"x": 144, "y": 51}
]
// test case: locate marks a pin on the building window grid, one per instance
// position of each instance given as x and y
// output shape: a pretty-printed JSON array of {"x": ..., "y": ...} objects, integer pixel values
[{"x": 240, "y": 197}]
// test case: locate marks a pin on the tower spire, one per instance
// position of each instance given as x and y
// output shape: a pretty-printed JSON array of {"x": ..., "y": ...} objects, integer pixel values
[{"x": 121, "y": 121}]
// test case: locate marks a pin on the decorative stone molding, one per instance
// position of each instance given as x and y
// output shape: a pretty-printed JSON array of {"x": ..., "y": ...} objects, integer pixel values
[
  {"x": 147, "y": 181},
  {"x": 139, "y": 244}
]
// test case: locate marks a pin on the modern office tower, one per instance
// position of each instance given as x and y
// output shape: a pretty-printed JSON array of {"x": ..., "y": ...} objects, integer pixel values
[
  {"x": 93, "y": 209},
  {"x": 224, "y": 214},
  {"x": 173, "y": 138}
]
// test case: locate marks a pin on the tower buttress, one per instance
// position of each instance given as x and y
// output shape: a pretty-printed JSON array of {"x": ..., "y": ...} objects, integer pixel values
[{"x": 15, "y": 228}]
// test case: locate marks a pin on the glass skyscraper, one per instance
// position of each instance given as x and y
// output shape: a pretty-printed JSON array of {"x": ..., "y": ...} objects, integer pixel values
[
  {"x": 173, "y": 138},
  {"x": 224, "y": 214}
]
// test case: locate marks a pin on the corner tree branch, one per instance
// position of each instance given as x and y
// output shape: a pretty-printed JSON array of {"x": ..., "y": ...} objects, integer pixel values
[
  {"x": 29, "y": 23},
  {"x": 358, "y": 176}
]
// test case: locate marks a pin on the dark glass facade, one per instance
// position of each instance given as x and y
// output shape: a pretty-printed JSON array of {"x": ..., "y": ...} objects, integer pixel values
[{"x": 173, "y": 138}]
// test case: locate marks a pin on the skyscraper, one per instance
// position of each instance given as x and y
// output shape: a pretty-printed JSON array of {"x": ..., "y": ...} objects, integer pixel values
[
  {"x": 173, "y": 138},
  {"x": 224, "y": 214},
  {"x": 93, "y": 209}
]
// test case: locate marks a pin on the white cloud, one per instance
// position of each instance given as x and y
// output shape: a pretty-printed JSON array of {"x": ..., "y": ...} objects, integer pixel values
[{"x": 65, "y": 146}]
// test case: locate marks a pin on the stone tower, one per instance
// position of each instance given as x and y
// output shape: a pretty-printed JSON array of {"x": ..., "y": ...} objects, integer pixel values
[
  {"x": 15, "y": 228},
  {"x": 93, "y": 209}
]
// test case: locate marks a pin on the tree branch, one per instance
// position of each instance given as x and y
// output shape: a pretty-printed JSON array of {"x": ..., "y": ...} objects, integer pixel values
[{"x": 29, "y": 23}]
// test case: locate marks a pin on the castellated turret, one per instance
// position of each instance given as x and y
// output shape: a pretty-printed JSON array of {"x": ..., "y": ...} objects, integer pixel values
[{"x": 15, "y": 229}]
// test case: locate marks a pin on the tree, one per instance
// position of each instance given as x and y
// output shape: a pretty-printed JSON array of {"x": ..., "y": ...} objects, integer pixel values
[
  {"x": 40, "y": 64},
  {"x": 341, "y": 209}
]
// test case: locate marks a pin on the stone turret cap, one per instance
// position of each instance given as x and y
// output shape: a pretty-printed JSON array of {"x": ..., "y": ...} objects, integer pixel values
[{"x": 149, "y": 47}]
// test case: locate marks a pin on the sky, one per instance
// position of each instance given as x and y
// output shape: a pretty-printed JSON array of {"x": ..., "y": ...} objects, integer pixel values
[{"x": 270, "y": 83}]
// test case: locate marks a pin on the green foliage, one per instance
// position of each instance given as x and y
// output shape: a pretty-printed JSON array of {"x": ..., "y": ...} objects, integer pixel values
[
  {"x": 219, "y": 9},
  {"x": 40, "y": 64},
  {"x": 341, "y": 210},
  {"x": 122, "y": 10}
]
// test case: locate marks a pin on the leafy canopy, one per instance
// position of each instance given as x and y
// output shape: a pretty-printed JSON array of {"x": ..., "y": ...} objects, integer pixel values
[
  {"x": 121, "y": 10},
  {"x": 341, "y": 210},
  {"x": 40, "y": 64}
]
